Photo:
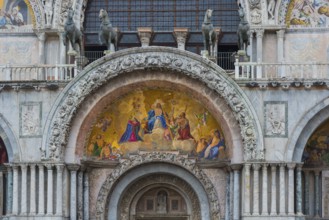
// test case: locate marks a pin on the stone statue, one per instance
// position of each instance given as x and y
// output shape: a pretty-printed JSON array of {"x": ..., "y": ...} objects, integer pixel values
[
  {"x": 162, "y": 202},
  {"x": 243, "y": 30},
  {"x": 49, "y": 12},
  {"x": 270, "y": 9},
  {"x": 73, "y": 34},
  {"x": 107, "y": 34},
  {"x": 208, "y": 32}
]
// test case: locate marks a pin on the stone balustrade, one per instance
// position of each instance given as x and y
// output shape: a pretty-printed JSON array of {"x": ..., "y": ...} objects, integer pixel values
[
  {"x": 280, "y": 71},
  {"x": 42, "y": 72}
]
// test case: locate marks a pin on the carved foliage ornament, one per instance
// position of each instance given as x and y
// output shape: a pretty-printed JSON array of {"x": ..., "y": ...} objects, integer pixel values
[
  {"x": 88, "y": 83},
  {"x": 137, "y": 160}
]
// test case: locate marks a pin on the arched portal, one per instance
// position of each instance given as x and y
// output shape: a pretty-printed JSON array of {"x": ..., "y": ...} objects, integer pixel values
[{"x": 186, "y": 188}]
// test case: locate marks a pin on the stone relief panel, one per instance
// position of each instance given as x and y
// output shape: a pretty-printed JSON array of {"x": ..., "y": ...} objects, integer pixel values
[
  {"x": 276, "y": 119},
  {"x": 30, "y": 119},
  {"x": 19, "y": 51}
]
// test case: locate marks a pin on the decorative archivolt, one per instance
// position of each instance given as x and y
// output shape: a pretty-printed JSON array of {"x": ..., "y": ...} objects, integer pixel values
[
  {"x": 159, "y": 157},
  {"x": 154, "y": 58}
]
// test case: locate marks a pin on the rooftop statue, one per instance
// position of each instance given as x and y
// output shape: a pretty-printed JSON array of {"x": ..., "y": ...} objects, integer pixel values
[
  {"x": 72, "y": 33},
  {"x": 243, "y": 30},
  {"x": 107, "y": 34},
  {"x": 208, "y": 32}
]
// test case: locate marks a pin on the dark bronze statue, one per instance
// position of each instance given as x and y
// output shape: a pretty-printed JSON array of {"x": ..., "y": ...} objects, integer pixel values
[
  {"x": 73, "y": 34},
  {"x": 208, "y": 32},
  {"x": 106, "y": 34},
  {"x": 243, "y": 30}
]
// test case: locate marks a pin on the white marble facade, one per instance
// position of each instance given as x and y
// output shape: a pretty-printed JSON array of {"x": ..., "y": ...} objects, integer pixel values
[{"x": 43, "y": 125}]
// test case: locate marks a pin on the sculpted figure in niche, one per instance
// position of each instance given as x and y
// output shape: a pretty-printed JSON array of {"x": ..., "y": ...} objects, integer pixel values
[
  {"x": 271, "y": 8},
  {"x": 49, "y": 12},
  {"x": 162, "y": 202}
]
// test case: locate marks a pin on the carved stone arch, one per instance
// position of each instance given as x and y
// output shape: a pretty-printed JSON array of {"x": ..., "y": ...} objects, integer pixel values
[
  {"x": 10, "y": 140},
  {"x": 309, "y": 122},
  {"x": 133, "y": 194},
  {"x": 104, "y": 70},
  {"x": 38, "y": 12},
  {"x": 137, "y": 166}
]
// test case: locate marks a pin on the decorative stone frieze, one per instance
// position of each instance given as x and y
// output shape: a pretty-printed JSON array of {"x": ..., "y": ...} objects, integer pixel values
[
  {"x": 151, "y": 58},
  {"x": 144, "y": 158}
]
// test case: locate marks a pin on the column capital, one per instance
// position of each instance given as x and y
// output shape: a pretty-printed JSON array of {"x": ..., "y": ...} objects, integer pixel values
[
  {"x": 32, "y": 165},
  {"x": 282, "y": 165},
  {"x": 59, "y": 167},
  {"x": 280, "y": 33},
  {"x": 145, "y": 34},
  {"x": 291, "y": 166},
  {"x": 236, "y": 167},
  {"x": 49, "y": 166},
  {"x": 260, "y": 33},
  {"x": 181, "y": 36},
  {"x": 256, "y": 166},
  {"x": 299, "y": 166},
  {"x": 317, "y": 172},
  {"x": 23, "y": 166},
  {"x": 273, "y": 166},
  {"x": 73, "y": 167}
]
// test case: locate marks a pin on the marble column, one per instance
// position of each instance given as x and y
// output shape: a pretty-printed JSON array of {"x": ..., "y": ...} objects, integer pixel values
[
  {"x": 264, "y": 191},
  {"x": 80, "y": 194},
  {"x": 9, "y": 198},
  {"x": 33, "y": 190},
  {"x": 236, "y": 197},
  {"x": 15, "y": 189},
  {"x": 282, "y": 190},
  {"x": 291, "y": 189},
  {"x": 24, "y": 189},
  {"x": 73, "y": 190},
  {"x": 307, "y": 192},
  {"x": 59, "y": 189},
  {"x": 299, "y": 190},
  {"x": 86, "y": 195},
  {"x": 259, "y": 34},
  {"x": 273, "y": 190},
  {"x": 280, "y": 46},
  {"x": 50, "y": 208},
  {"x": 247, "y": 189},
  {"x": 62, "y": 49},
  {"x": 232, "y": 193},
  {"x": 145, "y": 34},
  {"x": 256, "y": 168},
  {"x": 41, "y": 198},
  {"x": 2, "y": 171},
  {"x": 280, "y": 52},
  {"x": 180, "y": 35},
  {"x": 317, "y": 193},
  {"x": 251, "y": 46}
]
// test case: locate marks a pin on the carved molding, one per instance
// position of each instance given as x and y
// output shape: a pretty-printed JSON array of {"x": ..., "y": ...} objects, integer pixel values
[
  {"x": 137, "y": 160},
  {"x": 38, "y": 11},
  {"x": 164, "y": 179},
  {"x": 154, "y": 58}
]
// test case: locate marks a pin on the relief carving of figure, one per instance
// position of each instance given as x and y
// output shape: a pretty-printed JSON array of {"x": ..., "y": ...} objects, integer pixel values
[
  {"x": 162, "y": 202},
  {"x": 271, "y": 8},
  {"x": 49, "y": 12}
]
